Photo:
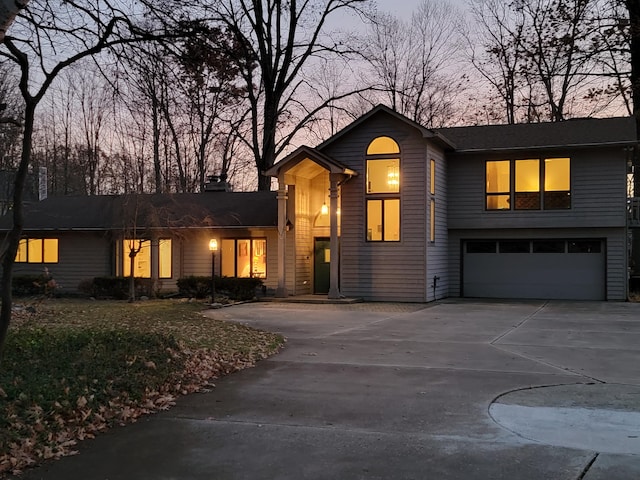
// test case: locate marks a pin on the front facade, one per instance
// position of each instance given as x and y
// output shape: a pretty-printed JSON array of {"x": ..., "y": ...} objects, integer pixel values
[
  {"x": 510, "y": 211},
  {"x": 385, "y": 210}
]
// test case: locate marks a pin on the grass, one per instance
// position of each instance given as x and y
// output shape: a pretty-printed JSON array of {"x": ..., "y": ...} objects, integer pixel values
[{"x": 72, "y": 368}]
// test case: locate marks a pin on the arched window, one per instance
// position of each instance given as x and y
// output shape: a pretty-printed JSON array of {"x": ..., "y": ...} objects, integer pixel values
[{"x": 383, "y": 190}]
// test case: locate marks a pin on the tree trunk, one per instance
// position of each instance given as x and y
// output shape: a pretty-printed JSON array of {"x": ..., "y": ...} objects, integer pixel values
[{"x": 13, "y": 238}]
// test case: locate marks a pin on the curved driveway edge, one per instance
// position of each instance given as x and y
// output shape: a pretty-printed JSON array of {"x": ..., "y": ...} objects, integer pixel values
[{"x": 384, "y": 391}]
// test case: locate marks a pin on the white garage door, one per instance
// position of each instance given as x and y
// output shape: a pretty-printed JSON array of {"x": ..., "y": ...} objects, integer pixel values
[{"x": 546, "y": 269}]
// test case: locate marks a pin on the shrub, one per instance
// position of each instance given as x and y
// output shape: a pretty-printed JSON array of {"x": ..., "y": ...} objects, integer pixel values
[
  {"x": 235, "y": 288},
  {"x": 114, "y": 287},
  {"x": 26, "y": 285}
]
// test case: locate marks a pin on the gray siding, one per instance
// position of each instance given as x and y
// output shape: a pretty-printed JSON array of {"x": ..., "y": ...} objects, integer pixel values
[
  {"x": 616, "y": 265},
  {"x": 385, "y": 271},
  {"x": 438, "y": 251},
  {"x": 598, "y": 192}
]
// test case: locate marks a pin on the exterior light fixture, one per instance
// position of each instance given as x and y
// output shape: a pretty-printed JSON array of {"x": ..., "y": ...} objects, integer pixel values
[
  {"x": 324, "y": 210},
  {"x": 213, "y": 247}
]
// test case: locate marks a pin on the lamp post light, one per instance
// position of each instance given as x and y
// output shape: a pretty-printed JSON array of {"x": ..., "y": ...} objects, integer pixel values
[{"x": 213, "y": 246}]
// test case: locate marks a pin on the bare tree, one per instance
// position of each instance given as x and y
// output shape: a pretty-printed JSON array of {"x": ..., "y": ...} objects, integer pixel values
[
  {"x": 278, "y": 39},
  {"x": 47, "y": 38}
]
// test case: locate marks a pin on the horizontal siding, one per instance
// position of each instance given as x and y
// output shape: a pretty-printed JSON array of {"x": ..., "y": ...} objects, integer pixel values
[
  {"x": 598, "y": 193},
  {"x": 616, "y": 264},
  {"x": 385, "y": 271},
  {"x": 81, "y": 256}
]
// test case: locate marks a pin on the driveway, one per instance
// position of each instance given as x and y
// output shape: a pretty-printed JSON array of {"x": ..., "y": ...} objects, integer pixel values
[{"x": 453, "y": 390}]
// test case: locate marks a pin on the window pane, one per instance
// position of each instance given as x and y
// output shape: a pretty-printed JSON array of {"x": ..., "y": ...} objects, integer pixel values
[
  {"x": 21, "y": 255},
  {"x": 585, "y": 246},
  {"x": 432, "y": 221},
  {"x": 260, "y": 258},
  {"x": 243, "y": 258},
  {"x": 498, "y": 180},
  {"x": 527, "y": 175},
  {"x": 142, "y": 260},
  {"x": 164, "y": 258},
  {"x": 51, "y": 250},
  {"x": 383, "y": 176},
  {"x": 34, "y": 248},
  {"x": 557, "y": 175},
  {"x": 481, "y": 246},
  {"x": 382, "y": 145},
  {"x": 527, "y": 201},
  {"x": 514, "y": 246},
  {"x": 548, "y": 246},
  {"x": 557, "y": 200},
  {"x": 498, "y": 202},
  {"x": 392, "y": 220},
  {"x": 432, "y": 178},
  {"x": 228, "y": 258},
  {"x": 374, "y": 220}
]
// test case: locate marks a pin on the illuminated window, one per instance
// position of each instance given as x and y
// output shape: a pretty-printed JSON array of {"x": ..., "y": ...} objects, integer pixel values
[
  {"x": 537, "y": 184},
  {"x": 244, "y": 258},
  {"x": 164, "y": 258},
  {"x": 498, "y": 185},
  {"x": 432, "y": 177},
  {"x": 37, "y": 250},
  {"x": 141, "y": 260},
  {"x": 383, "y": 188}
]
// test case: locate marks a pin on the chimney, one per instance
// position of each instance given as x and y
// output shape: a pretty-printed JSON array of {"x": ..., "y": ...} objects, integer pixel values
[{"x": 217, "y": 183}]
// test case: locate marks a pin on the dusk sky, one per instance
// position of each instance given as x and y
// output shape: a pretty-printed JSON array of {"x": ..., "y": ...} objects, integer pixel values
[{"x": 403, "y": 8}]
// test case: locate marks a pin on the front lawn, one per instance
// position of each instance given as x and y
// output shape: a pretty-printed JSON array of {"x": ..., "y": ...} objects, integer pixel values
[{"x": 73, "y": 368}]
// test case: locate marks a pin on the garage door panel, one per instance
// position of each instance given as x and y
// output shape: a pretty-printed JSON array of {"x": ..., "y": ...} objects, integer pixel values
[{"x": 577, "y": 276}]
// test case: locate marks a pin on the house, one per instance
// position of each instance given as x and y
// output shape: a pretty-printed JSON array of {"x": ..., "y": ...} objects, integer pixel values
[
  {"x": 506, "y": 211},
  {"x": 384, "y": 210},
  {"x": 77, "y": 238}
]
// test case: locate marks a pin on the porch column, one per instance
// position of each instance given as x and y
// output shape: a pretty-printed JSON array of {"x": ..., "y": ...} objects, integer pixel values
[
  {"x": 334, "y": 290},
  {"x": 281, "y": 291}
]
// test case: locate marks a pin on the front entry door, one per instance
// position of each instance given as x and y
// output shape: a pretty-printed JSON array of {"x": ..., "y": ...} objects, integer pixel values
[{"x": 321, "y": 262}]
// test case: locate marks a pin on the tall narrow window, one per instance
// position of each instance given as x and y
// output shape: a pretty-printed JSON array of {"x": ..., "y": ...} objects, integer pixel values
[
  {"x": 432, "y": 177},
  {"x": 498, "y": 185},
  {"x": 383, "y": 190},
  {"x": 557, "y": 183},
  {"x": 527, "y": 195},
  {"x": 432, "y": 221},
  {"x": 164, "y": 258}
]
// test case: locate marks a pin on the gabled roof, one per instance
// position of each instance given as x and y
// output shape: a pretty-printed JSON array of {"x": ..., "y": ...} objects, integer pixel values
[
  {"x": 179, "y": 210},
  {"x": 588, "y": 132},
  {"x": 303, "y": 153},
  {"x": 427, "y": 133}
]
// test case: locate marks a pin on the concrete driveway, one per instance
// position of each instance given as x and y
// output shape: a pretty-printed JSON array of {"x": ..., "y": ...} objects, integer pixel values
[{"x": 454, "y": 390}]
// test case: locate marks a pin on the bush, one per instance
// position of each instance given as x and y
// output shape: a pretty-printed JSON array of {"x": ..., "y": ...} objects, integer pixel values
[
  {"x": 114, "y": 287},
  {"x": 27, "y": 285},
  {"x": 235, "y": 288}
]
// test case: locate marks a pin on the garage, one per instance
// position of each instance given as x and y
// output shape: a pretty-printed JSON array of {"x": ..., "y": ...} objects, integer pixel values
[{"x": 564, "y": 269}]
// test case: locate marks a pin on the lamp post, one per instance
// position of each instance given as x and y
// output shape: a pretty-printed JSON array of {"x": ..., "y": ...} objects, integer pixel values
[{"x": 213, "y": 246}]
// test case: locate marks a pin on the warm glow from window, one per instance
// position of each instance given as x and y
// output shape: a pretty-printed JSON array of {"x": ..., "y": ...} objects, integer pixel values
[
  {"x": 498, "y": 178},
  {"x": 164, "y": 258},
  {"x": 527, "y": 175},
  {"x": 383, "y": 145},
  {"x": 37, "y": 250},
  {"x": 432, "y": 177},
  {"x": 228, "y": 258},
  {"x": 142, "y": 260},
  {"x": 557, "y": 175},
  {"x": 383, "y": 220},
  {"x": 244, "y": 258},
  {"x": 383, "y": 176},
  {"x": 374, "y": 220}
]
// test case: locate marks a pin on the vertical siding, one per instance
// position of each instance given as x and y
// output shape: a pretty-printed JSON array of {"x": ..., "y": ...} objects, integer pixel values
[
  {"x": 385, "y": 271},
  {"x": 438, "y": 251}
]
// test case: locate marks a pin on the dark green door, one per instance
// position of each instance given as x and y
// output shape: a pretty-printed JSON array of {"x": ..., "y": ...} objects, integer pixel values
[{"x": 321, "y": 270}]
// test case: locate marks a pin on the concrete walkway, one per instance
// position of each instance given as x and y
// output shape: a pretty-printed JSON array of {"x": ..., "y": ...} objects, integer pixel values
[{"x": 454, "y": 390}]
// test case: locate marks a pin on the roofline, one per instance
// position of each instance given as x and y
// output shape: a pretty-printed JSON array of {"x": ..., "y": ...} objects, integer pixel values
[
  {"x": 73, "y": 229},
  {"x": 625, "y": 143},
  {"x": 321, "y": 159},
  {"x": 426, "y": 132}
]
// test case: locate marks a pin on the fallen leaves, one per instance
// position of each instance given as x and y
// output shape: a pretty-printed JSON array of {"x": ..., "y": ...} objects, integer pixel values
[{"x": 33, "y": 429}]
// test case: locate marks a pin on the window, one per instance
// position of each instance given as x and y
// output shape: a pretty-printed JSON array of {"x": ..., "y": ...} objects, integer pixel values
[
  {"x": 244, "y": 257},
  {"x": 432, "y": 202},
  {"x": 164, "y": 258},
  {"x": 432, "y": 177},
  {"x": 548, "y": 246},
  {"x": 383, "y": 189},
  {"x": 528, "y": 184},
  {"x": 141, "y": 261},
  {"x": 37, "y": 250},
  {"x": 481, "y": 246}
]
